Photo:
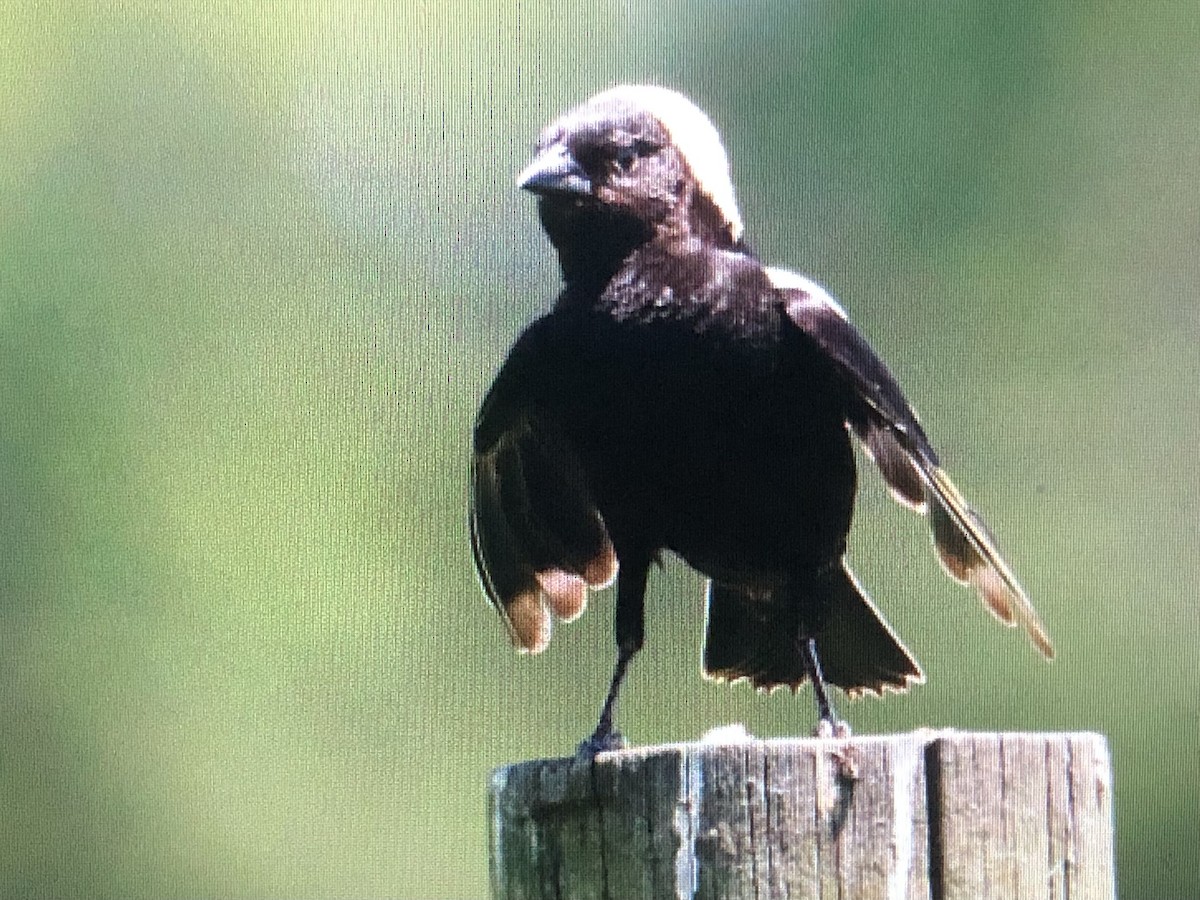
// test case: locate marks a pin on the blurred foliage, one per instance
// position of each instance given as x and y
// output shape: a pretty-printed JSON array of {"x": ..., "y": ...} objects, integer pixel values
[{"x": 257, "y": 265}]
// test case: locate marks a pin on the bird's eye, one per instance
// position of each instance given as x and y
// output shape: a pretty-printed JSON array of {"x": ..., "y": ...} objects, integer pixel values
[{"x": 625, "y": 157}]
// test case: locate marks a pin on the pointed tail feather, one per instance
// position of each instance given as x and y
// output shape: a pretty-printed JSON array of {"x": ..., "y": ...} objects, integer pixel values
[
  {"x": 859, "y": 651},
  {"x": 755, "y": 637}
]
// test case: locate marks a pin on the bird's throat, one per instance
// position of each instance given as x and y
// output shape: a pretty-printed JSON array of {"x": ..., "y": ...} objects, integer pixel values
[{"x": 592, "y": 241}]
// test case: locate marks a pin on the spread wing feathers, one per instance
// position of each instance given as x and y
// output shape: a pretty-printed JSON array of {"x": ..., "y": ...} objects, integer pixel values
[
  {"x": 538, "y": 540},
  {"x": 969, "y": 554},
  {"x": 894, "y": 439}
]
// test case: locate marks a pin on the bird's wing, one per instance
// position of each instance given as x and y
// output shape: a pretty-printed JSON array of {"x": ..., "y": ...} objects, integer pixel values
[
  {"x": 894, "y": 439},
  {"x": 538, "y": 540}
]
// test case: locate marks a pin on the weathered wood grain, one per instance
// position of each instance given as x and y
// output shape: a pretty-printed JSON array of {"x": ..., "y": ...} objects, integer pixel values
[{"x": 939, "y": 815}]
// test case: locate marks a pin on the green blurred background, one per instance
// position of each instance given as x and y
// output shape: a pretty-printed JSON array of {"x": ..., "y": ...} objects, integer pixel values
[{"x": 257, "y": 265}]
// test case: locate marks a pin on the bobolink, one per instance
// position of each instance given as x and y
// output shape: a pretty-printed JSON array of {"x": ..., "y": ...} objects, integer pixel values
[{"x": 682, "y": 395}]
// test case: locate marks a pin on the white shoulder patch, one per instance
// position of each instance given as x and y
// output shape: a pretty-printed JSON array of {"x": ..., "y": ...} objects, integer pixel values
[
  {"x": 694, "y": 135},
  {"x": 816, "y": 294}
]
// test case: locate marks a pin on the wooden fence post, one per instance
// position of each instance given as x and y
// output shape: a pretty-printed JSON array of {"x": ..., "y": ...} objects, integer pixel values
[{"x": 930, "y": 815}]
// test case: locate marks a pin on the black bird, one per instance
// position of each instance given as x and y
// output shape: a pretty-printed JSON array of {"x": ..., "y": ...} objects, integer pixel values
[{"x": 682, "y": 395}]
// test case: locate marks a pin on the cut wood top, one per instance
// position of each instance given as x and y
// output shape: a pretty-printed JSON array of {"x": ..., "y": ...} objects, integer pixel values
[{"x": 928, "y": 814}]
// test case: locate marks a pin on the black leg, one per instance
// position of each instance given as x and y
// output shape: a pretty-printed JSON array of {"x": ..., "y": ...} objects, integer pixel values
[
  {"x": 629, "y": 626},
  {"x": 829, "y": 723},
  {"x": 606, "y": 737}
]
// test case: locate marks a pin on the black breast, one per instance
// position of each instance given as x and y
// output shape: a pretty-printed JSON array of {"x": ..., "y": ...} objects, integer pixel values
[{"x": 704, "y": 428}]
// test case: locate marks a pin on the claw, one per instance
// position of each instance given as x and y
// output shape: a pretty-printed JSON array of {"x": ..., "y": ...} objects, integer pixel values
[{"x": 600, "y": 742}]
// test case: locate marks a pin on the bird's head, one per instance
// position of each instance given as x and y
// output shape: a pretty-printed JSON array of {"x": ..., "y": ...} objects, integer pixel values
[{"x": 632, "y": 163}]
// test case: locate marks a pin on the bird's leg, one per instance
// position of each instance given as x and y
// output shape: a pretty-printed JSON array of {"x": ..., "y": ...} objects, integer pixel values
[
  {"x": 629, "y": 627},
  {"x": 606, "y": 737},
  {"x": 829, "y": 725}
]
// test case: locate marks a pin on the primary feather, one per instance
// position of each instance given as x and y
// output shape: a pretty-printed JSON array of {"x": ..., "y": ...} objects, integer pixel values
[{"x": 894, "y": 439}]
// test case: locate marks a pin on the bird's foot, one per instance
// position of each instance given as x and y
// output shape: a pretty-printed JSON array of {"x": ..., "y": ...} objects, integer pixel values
[
  {"x": 601, "y": 741},
  {"x": 838, "y": 729}
]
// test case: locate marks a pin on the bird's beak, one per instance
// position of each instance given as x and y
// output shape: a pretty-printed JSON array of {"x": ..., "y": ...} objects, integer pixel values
[{"x": 555, "y": 171}]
